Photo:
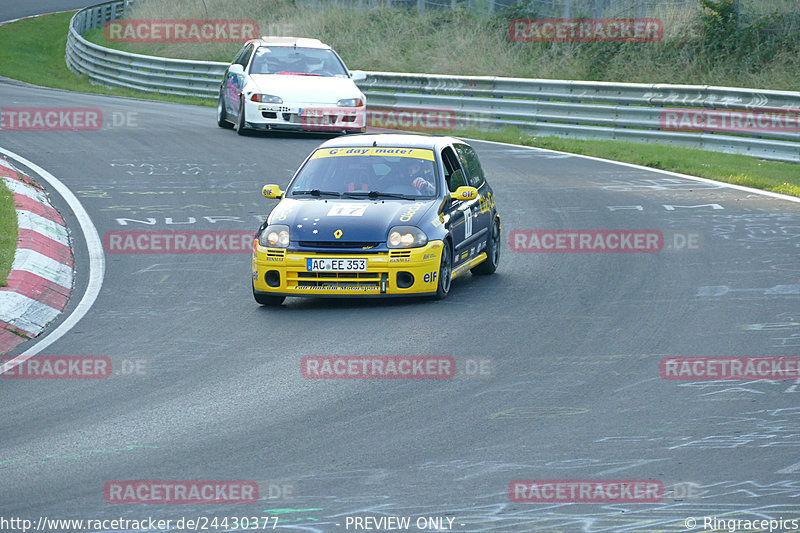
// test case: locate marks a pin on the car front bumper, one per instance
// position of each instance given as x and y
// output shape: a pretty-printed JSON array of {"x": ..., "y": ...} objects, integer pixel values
[
  {"x": 305, "y": 117},
  {"x": 394, "y": 273}
]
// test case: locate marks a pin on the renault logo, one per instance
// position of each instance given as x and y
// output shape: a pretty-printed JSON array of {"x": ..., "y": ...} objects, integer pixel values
[{"x": 337, "y": 233}]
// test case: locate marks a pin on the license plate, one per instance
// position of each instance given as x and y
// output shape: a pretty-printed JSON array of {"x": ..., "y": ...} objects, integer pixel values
[{"x": 336, "y": 265}]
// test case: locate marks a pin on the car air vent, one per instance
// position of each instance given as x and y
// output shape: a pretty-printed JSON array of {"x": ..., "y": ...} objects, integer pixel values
[
  {"x": 339, "y": 244},
  {"x": 400, "y": 253},
  {"x": 338, "y": 275},
  {"x": 340, "y": 280}
]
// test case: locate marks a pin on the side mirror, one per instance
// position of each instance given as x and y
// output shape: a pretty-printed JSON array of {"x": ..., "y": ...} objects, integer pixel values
[
  {"x": 272, "y": 192},
  {"x": 237, "y": 69},
  {"x": 358, "y": 75},
  {"x": 464, "y": 193}
]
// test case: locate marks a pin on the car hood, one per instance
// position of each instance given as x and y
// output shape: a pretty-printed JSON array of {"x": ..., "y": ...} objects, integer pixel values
[
  {"x": 323, "y": 90},
  {"x": 359, "y": 221}
]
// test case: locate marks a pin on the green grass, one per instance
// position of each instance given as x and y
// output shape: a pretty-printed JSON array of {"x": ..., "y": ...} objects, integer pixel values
[
  {"x": 33, "y": 51},
  {"x": 760, "y": 48},
  {"x": 743, "y": 170},
  {"x": 8, "y": 232}
]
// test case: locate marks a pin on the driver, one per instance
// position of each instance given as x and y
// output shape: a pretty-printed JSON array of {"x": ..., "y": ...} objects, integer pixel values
[
  {"x": 295, "y": 63},
  {"x": 418, "y": 181}
]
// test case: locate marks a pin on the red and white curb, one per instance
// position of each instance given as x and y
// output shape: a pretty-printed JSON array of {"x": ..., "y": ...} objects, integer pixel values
[{"x": 41, "y": 278}]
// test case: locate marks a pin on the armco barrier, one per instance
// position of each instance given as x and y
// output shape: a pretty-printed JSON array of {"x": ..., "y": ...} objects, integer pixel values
[
  {"x": 576, "y": 109},
  {"x": 115, "y": 68}
]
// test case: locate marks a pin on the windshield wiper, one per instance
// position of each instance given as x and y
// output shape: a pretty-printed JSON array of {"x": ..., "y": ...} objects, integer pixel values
[
  {"x": 378, "y": 194},
  {"x": 317, "y": 192},
  {"x": 284, "y": 73}
]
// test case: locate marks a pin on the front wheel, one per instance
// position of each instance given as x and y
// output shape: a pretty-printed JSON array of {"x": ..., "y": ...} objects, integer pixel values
[
  {"x": 445, "y": 272},
  {"x": 492, "y": 252},
  {"x": 241, "y": 124},
  {"x": 222, "y": 116}
]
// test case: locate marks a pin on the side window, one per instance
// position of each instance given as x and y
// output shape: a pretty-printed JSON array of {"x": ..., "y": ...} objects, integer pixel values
[
  {"x": 469, "y": 160},
  {"x": 452, "y": 170},
  {"x": 244, "y": 56},
  {"x": 239, "y": 55}
]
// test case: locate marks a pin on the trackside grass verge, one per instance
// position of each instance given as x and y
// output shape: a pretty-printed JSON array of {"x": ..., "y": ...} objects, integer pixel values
[
  {"x": 737, "y": 43},
  {"x": 742, "y": 170},
  {"x": 8, "y": 232},
  {"x": 41, "y": 41},
  {"x": 33, "y": 51}
]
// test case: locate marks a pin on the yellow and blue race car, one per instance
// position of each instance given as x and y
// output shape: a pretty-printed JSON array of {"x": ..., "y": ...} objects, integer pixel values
[{"x": 378, "y": 215}]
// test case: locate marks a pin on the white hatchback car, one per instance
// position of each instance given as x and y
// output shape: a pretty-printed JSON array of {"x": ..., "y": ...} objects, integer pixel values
[{"x": 290, "y": 83}]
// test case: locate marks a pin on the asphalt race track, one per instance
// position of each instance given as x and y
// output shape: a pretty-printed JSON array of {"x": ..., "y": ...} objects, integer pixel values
[
  {"x": 572, "y": 390},
  {"x": 13, "y": 9}
]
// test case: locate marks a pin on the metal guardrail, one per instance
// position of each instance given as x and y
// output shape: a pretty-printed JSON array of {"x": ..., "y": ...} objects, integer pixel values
[
  {"x": 115, "y": 68},
  {"x": 575, "y": 109}
]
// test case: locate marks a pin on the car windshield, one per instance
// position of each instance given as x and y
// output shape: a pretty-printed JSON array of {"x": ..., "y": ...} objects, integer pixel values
[
  {"x": 368, "y": 172},
  {"x": 297, "y": 61}
]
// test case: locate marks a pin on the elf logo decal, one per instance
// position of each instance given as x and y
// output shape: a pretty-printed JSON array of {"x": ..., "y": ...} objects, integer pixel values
[
  {"x": 430, "y": 277},
  {"x": 411, "y": 211}
]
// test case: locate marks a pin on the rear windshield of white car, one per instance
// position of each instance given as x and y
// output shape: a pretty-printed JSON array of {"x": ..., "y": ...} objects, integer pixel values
[
  {"x": 296, "y": 60},
  {"x": 362, "y": 170}
]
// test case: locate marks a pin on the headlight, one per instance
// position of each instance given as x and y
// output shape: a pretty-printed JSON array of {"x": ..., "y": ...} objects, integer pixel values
[
  {"x": 266, "y": 99},
  {"x": 406, "y": 237},
  {"x": 350, "y": 102},
  {"x": 275, "y": 236}
]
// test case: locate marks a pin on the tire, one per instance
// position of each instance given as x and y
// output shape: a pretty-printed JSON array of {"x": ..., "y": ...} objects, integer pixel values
[
  {"x": 222, "y": 116},
  {"x": 445, "y": 272},
  {"x": 492, "y": 252},
  {"x": 241, "y": 127}
]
